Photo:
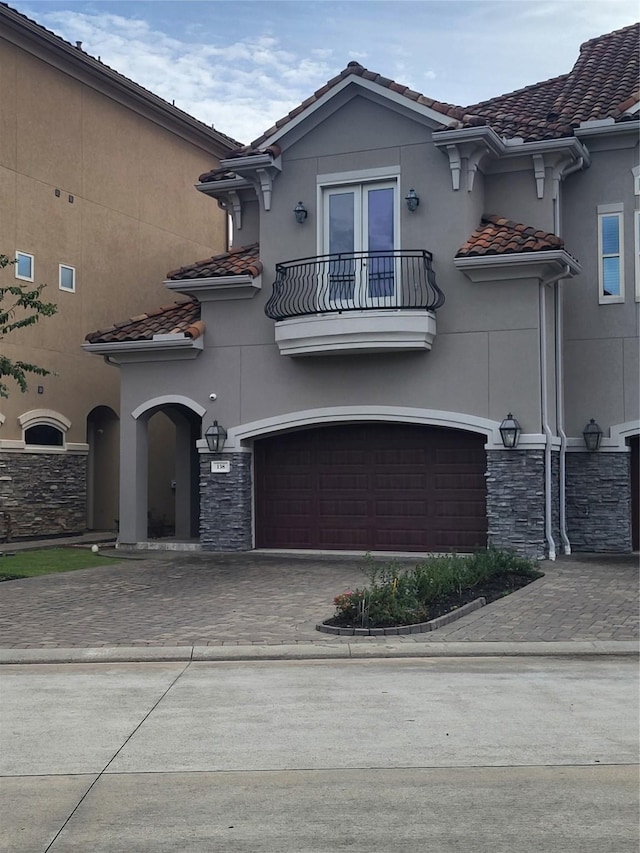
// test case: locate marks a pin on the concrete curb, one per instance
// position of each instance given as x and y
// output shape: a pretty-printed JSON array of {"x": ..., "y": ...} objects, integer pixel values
[{"x": 317, "y": 651}]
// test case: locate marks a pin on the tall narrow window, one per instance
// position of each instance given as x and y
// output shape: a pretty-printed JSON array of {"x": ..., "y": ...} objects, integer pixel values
[
  {"x": 610, "y": 253},
  {"x": 67, "y": 278},
  {"x": 24, "y": 266}
]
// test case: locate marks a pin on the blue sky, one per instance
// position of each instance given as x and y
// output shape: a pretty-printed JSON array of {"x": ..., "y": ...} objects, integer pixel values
[{"x": 242, "y": 65}]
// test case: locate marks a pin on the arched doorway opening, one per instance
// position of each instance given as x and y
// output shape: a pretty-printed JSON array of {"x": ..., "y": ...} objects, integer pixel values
[
  {"x": 173, "y": 506},
  {"x": 103, "y": 438}
]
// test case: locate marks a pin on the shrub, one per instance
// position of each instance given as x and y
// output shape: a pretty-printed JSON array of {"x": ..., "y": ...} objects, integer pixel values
[{"x": 397, "y": 596}]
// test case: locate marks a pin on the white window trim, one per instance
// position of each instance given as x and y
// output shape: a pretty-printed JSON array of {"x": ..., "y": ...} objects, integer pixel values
[
  {"x": 73, "y": 270},
  {"x": 636, "y": 179},
  {"x": 616, "y": 209},
  {"x": 636, "y": 238},
  {"x": 33, "y": 266}
]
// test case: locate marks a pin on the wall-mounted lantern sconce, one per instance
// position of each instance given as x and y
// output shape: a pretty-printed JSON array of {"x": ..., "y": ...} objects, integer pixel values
[
  {"x": 216, "y": 436},
  {"x": 301, "y": 212},
  {"x": 412, "y": 200},
  {"x": 510, "y": 431},
  {"x": 592, "y": 435}
]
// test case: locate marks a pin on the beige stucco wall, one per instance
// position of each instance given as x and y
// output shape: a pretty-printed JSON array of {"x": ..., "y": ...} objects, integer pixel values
[{"x": 134, "y": 215}]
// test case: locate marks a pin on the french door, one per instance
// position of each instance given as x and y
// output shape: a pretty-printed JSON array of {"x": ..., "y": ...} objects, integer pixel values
[{"x": 360, "y": 231}]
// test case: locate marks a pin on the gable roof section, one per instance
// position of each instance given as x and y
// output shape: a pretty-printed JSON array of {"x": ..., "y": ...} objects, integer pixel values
[
  {"x": 499, "y": 236},
  {"x": 46, "y": 39},
  {"x": 245, "y": 260},
  {"x": 178, "y": 318},
  {"x": 603, "y": 83}
]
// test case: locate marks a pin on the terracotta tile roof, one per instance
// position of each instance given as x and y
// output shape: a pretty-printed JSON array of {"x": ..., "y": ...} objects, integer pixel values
[
  {"x": 171, "y": 319},
  {"x": 603, "y": 83},
  {"x": 56, "y": 41},
  {"x": 499, "y": 236},
  {"x": 244, "y": 260}
]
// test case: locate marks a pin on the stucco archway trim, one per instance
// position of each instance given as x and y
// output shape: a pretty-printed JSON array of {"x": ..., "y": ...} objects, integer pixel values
[
  {"x": 620, "y": 432},
  {"x": 168, "y": 400},
  {"x": 244, "y": 433}
]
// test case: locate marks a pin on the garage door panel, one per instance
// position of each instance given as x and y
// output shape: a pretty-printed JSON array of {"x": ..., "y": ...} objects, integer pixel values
[{"x": 371, "y": 486}]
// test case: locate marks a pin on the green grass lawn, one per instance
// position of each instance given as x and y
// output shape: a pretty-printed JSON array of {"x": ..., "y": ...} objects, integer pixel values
[{"x": 31, "y": 564}]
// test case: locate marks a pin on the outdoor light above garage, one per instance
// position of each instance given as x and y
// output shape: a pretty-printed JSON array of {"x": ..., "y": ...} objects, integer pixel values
[
  {"x": 510, "y": 431},
  {"x": 216, "y": 436},
  {"x": 592, "y": 435}
]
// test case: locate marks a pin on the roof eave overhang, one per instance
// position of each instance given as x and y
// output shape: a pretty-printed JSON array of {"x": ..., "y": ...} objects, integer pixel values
[
  {"x": 589, "y": 129},
  {"x": 519, "y": 265},
  {"x": 217, "y": 288},
  {"x": 36, "y": 39},
  {"x": 166, "y": 348}
]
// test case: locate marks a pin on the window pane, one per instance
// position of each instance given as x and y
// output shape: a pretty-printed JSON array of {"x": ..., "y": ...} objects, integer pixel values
[
  {"x": 341, "y": 223},
  {"x": 43, "y": 435},
  {"x": 67, "y": 278},
  {"x": 610, "y": 235},
  {"x": 611, "y": 276},
  {"x": 380, "y": 237},
  {"x": 25, "y": 265}
]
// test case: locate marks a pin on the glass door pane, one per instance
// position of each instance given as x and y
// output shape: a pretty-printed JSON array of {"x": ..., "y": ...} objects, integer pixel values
[
  {"x": 380, "y": 237},
  {"x": 342, "y": 239}
]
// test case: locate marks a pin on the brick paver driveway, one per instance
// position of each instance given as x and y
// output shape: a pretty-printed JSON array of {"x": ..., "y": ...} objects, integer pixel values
[{"x": 209, "y": 599}]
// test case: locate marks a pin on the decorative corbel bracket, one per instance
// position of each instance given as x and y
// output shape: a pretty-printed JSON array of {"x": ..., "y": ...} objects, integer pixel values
[
  {"x": 231, "y": 203},
  {"x": 464, "y": 160},
  {"x": 539, "y": 173}
]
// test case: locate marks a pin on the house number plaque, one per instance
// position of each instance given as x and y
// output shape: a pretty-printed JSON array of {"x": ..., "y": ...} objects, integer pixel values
[{"x": 222, "y": 467}]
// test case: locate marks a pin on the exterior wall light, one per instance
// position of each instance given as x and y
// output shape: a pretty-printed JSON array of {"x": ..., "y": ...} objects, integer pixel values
[
  {"x": 592, "y": 435},
  {"x": 412, "y": 200},
  {"x": 216, "y": 436},
  {"x": 510, "y": 431},
  {"x": 300, "y": 212}
]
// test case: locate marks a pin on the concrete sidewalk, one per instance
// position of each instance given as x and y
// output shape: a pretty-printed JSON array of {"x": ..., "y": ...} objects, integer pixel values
[{"x": 185, "y": 606}]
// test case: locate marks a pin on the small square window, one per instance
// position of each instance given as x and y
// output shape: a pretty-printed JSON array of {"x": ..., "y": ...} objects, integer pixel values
[
  {"x": 24, "y": 266},
  {"x": 67, "y": 278}
]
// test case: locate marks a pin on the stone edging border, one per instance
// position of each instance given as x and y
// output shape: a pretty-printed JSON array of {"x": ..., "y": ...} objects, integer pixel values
[{"x": 419, "y": 628}]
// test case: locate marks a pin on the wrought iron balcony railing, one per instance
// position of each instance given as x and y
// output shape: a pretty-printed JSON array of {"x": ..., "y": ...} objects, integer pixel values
[{"x": 353, "y": 282}]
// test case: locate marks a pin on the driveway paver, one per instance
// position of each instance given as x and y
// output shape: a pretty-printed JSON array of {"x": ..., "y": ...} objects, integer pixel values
[{"x": 184, "y": 599}]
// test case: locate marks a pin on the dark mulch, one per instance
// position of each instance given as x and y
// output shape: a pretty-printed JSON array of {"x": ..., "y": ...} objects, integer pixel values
[{"x": 497, "y": 587}]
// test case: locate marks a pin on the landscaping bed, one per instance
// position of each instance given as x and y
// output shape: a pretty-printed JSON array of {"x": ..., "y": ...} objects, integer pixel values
[{"x": 398, "y": 597}]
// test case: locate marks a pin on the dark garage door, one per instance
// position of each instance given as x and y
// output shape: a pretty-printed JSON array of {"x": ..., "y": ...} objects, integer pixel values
[{"x": 373, "y": 486}]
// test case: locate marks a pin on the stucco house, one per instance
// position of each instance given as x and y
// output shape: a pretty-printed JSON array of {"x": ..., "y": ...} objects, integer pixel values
[
  {"x": 82, "y": 211},
  {"x": 426, "y": 335}
]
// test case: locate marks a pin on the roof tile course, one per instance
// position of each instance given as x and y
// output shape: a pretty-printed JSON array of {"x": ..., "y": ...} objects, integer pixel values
[
  {"x": 178, "y": 318},
  {"x": 245, "y": 260},
  {"x": 499, "y": 236}
]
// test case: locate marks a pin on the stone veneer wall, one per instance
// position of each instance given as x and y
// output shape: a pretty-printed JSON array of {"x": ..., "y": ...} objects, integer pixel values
[
  {"x": 515, "y": 501},
  {"x": 226, "y": 504},
  {"x": 42, "y": 494},
  {"x": 599, "y": 501}
]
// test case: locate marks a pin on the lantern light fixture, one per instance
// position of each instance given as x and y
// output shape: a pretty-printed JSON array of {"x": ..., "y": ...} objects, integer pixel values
[
  {"x": 412, "y": 200},
  {"x": 215, "y": 436},
  {"x": 592, "y": 435},
  {"x": 510, "y": 431},
  {"x": 300, "y": 212}
]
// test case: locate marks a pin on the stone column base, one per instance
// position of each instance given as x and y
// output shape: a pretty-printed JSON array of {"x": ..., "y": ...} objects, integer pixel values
[
  {"x": 226, "y": 503},
  {"x": 599, "y": 501}
]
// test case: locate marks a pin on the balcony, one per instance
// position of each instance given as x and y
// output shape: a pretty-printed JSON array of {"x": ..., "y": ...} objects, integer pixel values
[{"x": 360, "y": 301}]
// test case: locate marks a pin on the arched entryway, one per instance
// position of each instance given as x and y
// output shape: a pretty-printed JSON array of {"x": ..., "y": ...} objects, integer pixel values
[
  {"x": 103, "y": 438},
  {"x": 371, "y": 486}
]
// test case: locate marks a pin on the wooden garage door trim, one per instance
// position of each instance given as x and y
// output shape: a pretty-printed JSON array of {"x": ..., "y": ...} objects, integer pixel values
[{"x": 371, "y": 486}]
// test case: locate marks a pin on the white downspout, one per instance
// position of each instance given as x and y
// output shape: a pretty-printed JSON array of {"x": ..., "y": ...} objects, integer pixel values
[
  {"x": 548, "y": 523},
  {"x": 548, "y": 519},
  {"x": 559, "y": 365}
]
